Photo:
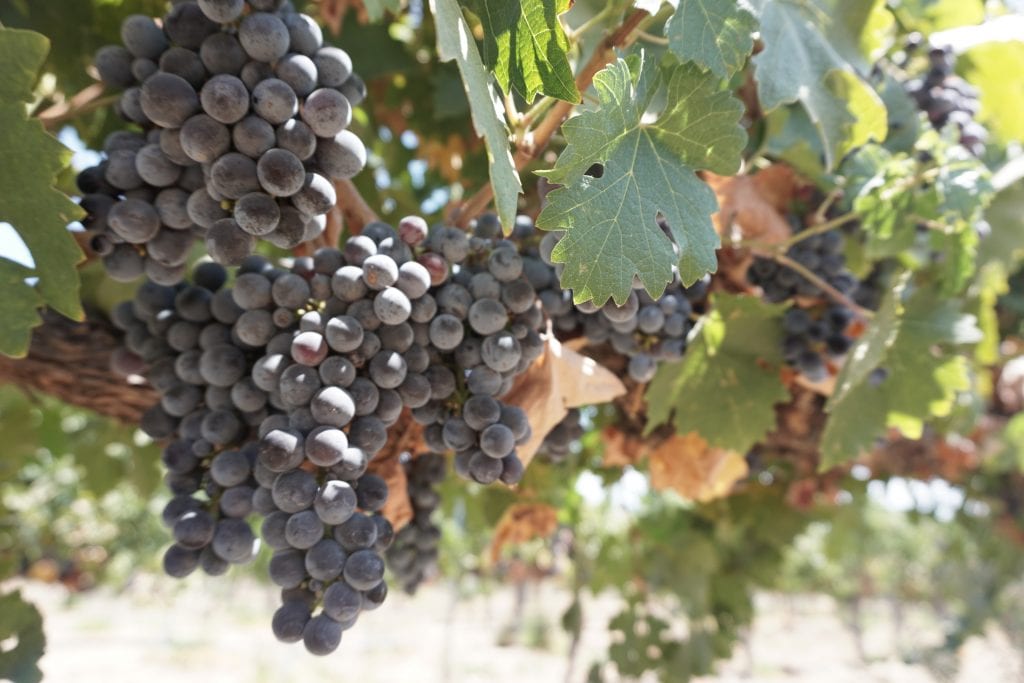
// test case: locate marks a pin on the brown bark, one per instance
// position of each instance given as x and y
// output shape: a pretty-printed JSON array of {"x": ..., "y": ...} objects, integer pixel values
[{"x": 71, "y": 361}]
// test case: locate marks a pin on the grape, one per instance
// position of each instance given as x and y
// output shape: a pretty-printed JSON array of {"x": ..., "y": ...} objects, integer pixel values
[
  {"x": 287, "y": 568},
  {"x": 233, "y": 541},
  {"x": 505, "y": 264},
  {"x": 222, "y": 11},
  {"x": 179, "y": 562},
  {"x": 501, "y": 352},
  {"x": 237, "y": 501},
  {"x": 392, "y": 306},
  {"x": 227, "y": 243},
  {"x": 371, "y": 493},
  {"x": 642, "y": 368},
  {"x": 204, "y": 210},
  {"x": 298, "y": 384},
  {"x": 299, "y": 72},
  {"x": 257, "y": 213},
  {"x": 264, "y": 37},
  {"x": 187, "y": 26},
  {"x": 321, "y": 635},
  {"x": 290, "y": 290},
  {"x": 368, "y": 433},
  {"x": 194, "y": 530},
  {"x": 155, "y": 168},
  {"x": 114, "y": 64},
  {"x": 309, "y": 348},
  {"x": 364, "y": 569},
  {"x": 255, "y": 328},
  {"x": 388, "y": 369},
  {"x": 497, "y": 441},
  {"x": 316, "y": 196},
  {"x": 484, "y": 469},
  {"x": 340, "y": 157},
  {"x": 281, "y": 173},
  {"x": 225, "y": 98},
  {"x": 142, "y": 37},
  {"x": 275, "y": 101},
  {"x": 446, "y": 332},
  {"x": 134, "y": 221},
  {"x": 326, "y": 112},
  {"x": 296, "y": 137},
  {"x": 168, "y": 100},
  {"x": 341, "y": 602},
  {"x": 290, "y": 621},
  {"x": 303, "y": 529},
  {"x": 487, "y": 316},
  {"x": 294, "y": 490},
  {"x": 281, "y": 450},
  {"x": 333, "y": 406}
]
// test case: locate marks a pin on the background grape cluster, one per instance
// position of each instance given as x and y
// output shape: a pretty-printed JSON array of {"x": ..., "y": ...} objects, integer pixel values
[{"x": 413, "y": 556}]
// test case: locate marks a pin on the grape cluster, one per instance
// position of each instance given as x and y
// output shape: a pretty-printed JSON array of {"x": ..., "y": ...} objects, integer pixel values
[
  {"x": 557, "y": 444},
  {"x": 183, "y": 338},
  {"x": 811, "y": 337},
  {"x": 946, "y": 98},
  {"x": 481, "y": 330},
  {"x": 821, "y": 254},
  {"x": 413, "y": 556},
  {"x": 244, "y": 112}
]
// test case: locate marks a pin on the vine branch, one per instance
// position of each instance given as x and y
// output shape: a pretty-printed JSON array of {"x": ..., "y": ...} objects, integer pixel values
[{"x": 538, "y": 139}]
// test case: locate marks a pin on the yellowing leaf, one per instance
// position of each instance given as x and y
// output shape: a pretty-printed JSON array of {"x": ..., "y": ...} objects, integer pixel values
[{"x": 694, "y": 470}]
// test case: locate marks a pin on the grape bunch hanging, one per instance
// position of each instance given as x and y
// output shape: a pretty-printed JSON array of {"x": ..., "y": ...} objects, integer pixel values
[{"x": 244, "y": 116}]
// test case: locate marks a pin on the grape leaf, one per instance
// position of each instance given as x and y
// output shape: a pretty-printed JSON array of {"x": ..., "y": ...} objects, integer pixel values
[
  {"x": 1005, "y": 241},
  {"x": 995, "y": 69},
  {"x": 799, "y": 63},
  {"x": 727, "y": 384},
  {"x": 455, "y": 42},
  {"x": 22, "y": 620},
  {"x": 713, "y": 33},
  {"x": 901, "y": 373},
  {"x": 32, "y": 158},
  {"x": 611, "y": 223},
  {"x": 526, "y": 46},
  {"x": 375, "y": 9},
  {"x": 17, "y": 308}
]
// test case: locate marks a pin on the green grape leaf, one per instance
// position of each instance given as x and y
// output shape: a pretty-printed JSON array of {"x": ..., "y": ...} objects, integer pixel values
[
  {"x": 727, "y": 384},
  {"x": 996, "y": 70},
  {"x": 375, "y": 9},
  {"x": 20, "y": 620},
  {"x": 929, "y": 16},
  {"x": 18, "y": 309},
  {"x": 900, "y": 373},
  {"x": 611, "y": 223},
  {"x": 1005, "y": 242},
  {"x": 455, "y": 42},
  {"x": 713, "y": 33},
  {"x": 526, "y": 46},
  {"x": 800, "y": 63},
  {"x": 32, "y": 159}
]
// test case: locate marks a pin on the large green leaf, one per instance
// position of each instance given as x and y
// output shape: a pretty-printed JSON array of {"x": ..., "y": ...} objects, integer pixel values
[
  {"x": 902, "y": 372},
  {"x": 727, "y": 384},
  {"x": 455, "y": 42},
  {"x": 32, "y": 159},
  {"x": 713, "y": 33},
  {"x": 1005, "y": 242},
  {"x": 18, "y": 308},
  {"x": 997, "y": 70},
  {"x": 801, "y": 63},
  {"x": 611, "y": 223},
  {"x": 526, "y": 46},
  {"x": 22, "y": 626}
]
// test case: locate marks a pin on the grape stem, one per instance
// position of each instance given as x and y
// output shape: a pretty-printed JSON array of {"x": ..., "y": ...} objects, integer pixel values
[
  {"x": 537, "y": 140},
  {"x": 87, "y": 100},
  {"x": 817, "y": 230},
  {"x": 354, "y": 209},
  {"x": 818, "y": 282}
]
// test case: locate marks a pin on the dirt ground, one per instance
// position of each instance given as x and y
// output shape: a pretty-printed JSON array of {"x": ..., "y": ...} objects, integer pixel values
[{"x": 158, "y": 631}]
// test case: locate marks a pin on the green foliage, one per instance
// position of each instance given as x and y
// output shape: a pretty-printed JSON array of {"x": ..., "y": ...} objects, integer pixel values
[
  {"x": 716, "y": 35},
  {"x": 28, "y": 200},
  {"x": 455, "y": 42},
  {"x": 612, "y": 231},
  {"x": 376, "y": 8},
  {"x": 901, "y": 373},
  {"x": 801, "y": 63},
  {"x": 727, "y": 384},
  {"x": 525, "y": 46},
  {"x": 21, "y": 619},
  {"x": 986, "y": 67}
]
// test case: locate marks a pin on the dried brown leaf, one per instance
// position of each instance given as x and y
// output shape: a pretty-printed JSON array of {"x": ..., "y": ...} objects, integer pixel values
[
  {"x": 560, "y": 379},
  {"x": 688, "y": 465},
  {"x": 754, "y": 206},
  {"x": 621, "y": 449},
  {"x": 522, "y": 522}
]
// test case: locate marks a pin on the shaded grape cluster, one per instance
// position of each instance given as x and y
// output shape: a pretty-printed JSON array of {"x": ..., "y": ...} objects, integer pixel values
[
  {"x": 482, "y": 331},
  {"x": 643, "y": 329},
  {"x": 814, "y": 336},
  {"x": 412, "y": 558},
  {"x": 945, "y": 97},
  {"x": 821, "y": 254},
  {"x": 244, "y": 114},
  {"x": 557, "y": 444},
  {"x": 183, "y": 339}
]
